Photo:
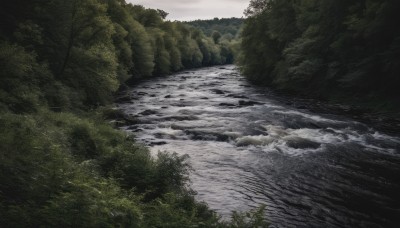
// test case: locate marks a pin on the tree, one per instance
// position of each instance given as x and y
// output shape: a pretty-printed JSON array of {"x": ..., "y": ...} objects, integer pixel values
[
  {"x": 20, "y": 79},
  {"x": 162, "y": 14},
  {"x": 256, "y": 7},
  {"x": 80, "y": 48},
  {"x": 161, "y": 55},
  {"x": 216, "y": 36}
]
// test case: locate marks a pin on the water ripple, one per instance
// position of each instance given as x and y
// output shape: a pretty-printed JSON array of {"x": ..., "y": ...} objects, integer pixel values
[{"x": 249, "y": 148}]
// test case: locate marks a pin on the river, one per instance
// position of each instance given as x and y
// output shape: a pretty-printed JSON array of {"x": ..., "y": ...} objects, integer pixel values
[{"x": 249, "y": 147}]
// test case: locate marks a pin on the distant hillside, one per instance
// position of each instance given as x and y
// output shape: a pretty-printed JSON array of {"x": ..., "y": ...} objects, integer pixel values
[{"x": 225, "y": 26}]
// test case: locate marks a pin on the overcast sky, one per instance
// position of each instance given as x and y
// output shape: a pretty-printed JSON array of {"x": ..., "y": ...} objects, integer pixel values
[{"x": 196, "y": 9}]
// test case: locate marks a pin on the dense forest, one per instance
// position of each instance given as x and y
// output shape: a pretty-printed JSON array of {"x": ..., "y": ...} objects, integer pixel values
[
  {"x": 345, "y": 51},
  {"x": 70, "y": 45},
  {"x": 228, "y": 28},
  {"x": 63, "y": 164}
]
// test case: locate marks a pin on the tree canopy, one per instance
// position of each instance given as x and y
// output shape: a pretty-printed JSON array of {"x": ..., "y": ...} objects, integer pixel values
[{"x": 345, "y": 50}]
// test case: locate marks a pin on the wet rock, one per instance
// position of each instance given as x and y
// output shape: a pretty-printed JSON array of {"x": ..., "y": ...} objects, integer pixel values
[
  {"x": 152, "y": 95},
  {"x": 248, "y": 103},
  {"x": 166, "y": 135},
  {"x": 124, "y": 99},
  {"x": 137, "y": 130},
  {"x": 164, "y": 107},
  {"x": 300, "y": 143},
  {"x": 180, "y": 118},
  {"x": 114, "y": 114},
  {"x": 124, "y": 121},
  {"x": 168, "y": 96},
  {"x": 177, "y": 127},
  {"x": 157, "y": 143},
  {"x": 210, "y": 84},
  {"x": 180, "y": 105},
  {"x": 218, "y": 91},
  {"x": 133, "y": 127},
  {"x": 148, "y": 113},
  {"x": 207, "y": 135},
  {"x": 185, "y": 112},
  {"x": 330, "y": 131},
  {"x": 204, "y": 98},
  {"x": 160, "y": 136},
  {"x": 119, "y": 118},
  {"x": 233, "y": 135},
  {"x": 227, "y": 105},
  {"x": 237, "y": 96},
  {"x": 299, "y": 123},
  {"x": 254, "y": 140}
]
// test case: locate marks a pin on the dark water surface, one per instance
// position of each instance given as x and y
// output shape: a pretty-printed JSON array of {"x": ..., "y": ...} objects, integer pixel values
[{"x": 249, "y": 148}]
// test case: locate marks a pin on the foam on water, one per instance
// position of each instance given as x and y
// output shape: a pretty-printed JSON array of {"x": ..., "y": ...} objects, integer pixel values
[
  {"x": 310, "y": 170},
  {"x": 305, "y": 115}
]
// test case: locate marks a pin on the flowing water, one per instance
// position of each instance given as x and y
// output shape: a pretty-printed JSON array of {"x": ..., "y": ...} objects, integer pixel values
[{"x": 248, "y": 148}]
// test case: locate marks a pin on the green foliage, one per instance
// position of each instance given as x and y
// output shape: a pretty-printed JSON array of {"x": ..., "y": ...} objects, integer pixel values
[
  {"x": 161, "y": 55},
  {"x": 224, "y": 33},
  {"x": 20, "y": 78},
  {"x": 45, "y": 183},
  {"x": 223, "y": 26},
  {"x": 92, "y": 204},
  {"x": 180, "y": 211},
  {"x": 323, "y": 48},
  {"x": 190, "y": 50},
  {"x": 216, "y": 36},
  {"x": 258, "y": 53},
  {"x": 50, "y": 173},
  {"x": 143, "y": 54},
  {"x": 254, "y": 218},
  {"x": 62, "y": 164}
]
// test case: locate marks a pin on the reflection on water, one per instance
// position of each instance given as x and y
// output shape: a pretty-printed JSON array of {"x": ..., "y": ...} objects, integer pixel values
[{"x": 247, "y": 148}]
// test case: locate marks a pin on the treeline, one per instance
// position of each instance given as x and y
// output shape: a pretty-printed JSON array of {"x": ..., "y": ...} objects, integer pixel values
[
  {"x": 228, "y": 28},
  {"x": 332, "y": 49},
  {"x": 85, "y": 49},
  {"x": 62, "y": 163}
]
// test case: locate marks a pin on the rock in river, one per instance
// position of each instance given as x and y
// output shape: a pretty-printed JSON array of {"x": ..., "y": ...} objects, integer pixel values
[{"x": 148, "y": 113}]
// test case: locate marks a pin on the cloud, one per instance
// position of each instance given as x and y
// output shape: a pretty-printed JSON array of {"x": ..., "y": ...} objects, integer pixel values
[{"x": 196, "y": 9}]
